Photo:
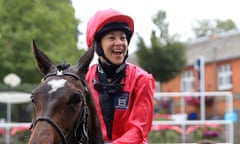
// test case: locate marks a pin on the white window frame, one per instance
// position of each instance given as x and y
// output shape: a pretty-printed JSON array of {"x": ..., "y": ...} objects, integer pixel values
[
  {"x": 187, "y": 81},
  {"x": 224, "y": 77}
]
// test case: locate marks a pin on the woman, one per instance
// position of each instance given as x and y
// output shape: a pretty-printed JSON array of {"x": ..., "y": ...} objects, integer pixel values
[{"x": 123, "y": 92}]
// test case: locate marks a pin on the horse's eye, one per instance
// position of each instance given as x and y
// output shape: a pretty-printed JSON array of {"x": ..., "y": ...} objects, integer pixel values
[
  {"x": 75, "y": 99},
  {"x": 33, "y": 100}
]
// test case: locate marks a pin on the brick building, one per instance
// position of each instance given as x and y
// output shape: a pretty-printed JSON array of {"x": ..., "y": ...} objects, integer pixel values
[{"x": 221, "y": 53}]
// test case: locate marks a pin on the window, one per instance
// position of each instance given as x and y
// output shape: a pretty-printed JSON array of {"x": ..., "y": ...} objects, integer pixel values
[
  {"x": 187, "y": 82},
  {"x": 224, "y": 77}
]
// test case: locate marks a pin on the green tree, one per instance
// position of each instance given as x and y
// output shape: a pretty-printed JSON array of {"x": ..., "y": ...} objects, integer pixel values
[
  {"x": 207, "y": 27},
  {"x": 51, "y": 23},
  {"x": 165, "y": 58},
  {"x": 160, "y": 21}
]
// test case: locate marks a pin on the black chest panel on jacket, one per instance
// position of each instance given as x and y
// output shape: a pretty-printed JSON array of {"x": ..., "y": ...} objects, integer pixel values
[{"x": 107, "y": 87}]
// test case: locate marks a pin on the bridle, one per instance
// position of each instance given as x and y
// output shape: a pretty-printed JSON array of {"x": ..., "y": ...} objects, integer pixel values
[{"x": 82, "y": 121}]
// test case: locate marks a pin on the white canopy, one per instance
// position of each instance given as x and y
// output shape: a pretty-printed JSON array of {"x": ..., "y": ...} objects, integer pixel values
[{"x": 14, "y": 97}]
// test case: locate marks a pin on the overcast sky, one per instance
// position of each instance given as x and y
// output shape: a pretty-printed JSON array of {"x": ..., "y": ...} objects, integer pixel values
[{"x": 180, "y": 13}]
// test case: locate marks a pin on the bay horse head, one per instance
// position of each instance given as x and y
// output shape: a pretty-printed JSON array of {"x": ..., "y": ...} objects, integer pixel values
[{"x": 63, "y": 107}]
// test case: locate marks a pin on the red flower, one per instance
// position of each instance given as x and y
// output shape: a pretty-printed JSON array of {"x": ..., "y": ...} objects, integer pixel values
[
  {"x": 196, "y": 100},
  {"x": 19, "y": 129},
  {"x": 192, "y": 129},
  {"x": 177, "y": 129},
  {"x": 208, "y": 133},
  {"x": 155, "y": 127},
  {"x": 207, "y": 130},
  {"x": 166, "y": 128},
  {"x": 2, "y": 132}
]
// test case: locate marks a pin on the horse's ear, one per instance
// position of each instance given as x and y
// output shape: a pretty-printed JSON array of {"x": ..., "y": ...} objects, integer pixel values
[
  {"x": 43, "y": 62},
  {"x": 85, "y": 60}
]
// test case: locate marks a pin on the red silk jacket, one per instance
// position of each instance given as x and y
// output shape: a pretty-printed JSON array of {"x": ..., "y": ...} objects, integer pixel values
[{"x": 133, "y": 110}]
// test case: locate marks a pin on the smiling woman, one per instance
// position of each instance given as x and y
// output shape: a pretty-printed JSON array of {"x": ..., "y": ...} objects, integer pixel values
[
  {"x": 123, "y": 93},
  {"x": 118, "y": 41}
]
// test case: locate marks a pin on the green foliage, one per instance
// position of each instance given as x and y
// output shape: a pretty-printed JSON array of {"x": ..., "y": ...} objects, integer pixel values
[
  {"x": 212, "y": 132},
  {"x": 165, "y": 58},
  {"x": 164, "y": 62},
  {"x": 163, "y": 136},
  {"x": 22, "y": 136},
  {"x": 2, "y": 133},
  {"x": 160, "y": 21},
  {"x": 51, "y": 23},
  {"x": 207, "y": 27}
]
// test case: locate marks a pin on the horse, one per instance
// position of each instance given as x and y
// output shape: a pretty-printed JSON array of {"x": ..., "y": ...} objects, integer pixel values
[{"x": 63, "y": 107}]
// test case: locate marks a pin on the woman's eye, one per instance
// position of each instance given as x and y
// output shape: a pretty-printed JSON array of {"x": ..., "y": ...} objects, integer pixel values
[
  {"x": 123, "y": 36},
  {"x": 111, "y": 38}
]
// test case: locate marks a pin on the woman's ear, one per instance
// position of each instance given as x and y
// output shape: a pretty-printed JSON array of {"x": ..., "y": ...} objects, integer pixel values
[{"x": 99, "y": 49}]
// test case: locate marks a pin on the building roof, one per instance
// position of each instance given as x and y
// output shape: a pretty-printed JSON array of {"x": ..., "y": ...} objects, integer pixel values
[
  {"x": 219, "y": 47},
  {"x": 222, "y": 46}
]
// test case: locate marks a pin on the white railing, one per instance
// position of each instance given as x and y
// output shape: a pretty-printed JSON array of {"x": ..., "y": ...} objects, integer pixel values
[
  {"x": 229, "y": 100},
  {"x": 11, "y": 125}
]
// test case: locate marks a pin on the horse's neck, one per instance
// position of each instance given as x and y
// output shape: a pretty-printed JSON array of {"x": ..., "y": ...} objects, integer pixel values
[{"x": 95, "y": 133}]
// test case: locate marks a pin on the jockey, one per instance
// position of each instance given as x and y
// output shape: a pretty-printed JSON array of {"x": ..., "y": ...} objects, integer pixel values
[{"x": 123, "y": 92}]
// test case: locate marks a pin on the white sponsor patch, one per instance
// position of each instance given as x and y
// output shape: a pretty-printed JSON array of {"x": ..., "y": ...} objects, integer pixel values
[{"x": 56, "y": 84}]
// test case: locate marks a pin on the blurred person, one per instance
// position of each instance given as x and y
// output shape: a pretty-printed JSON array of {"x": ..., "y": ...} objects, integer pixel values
[{"x": 123, "y": 92}]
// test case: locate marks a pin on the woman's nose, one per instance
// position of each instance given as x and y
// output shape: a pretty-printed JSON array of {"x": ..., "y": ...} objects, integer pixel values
[{"x": 118, "y": 41}]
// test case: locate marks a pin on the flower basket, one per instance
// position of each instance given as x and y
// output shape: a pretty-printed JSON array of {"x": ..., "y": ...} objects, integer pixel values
[
  {"x": 209, "y": 100},
  {"x": 213, "y": 132},
  {"x": 163, "y": 105},
  {"x": 164, "y": 134},
  {"x": 21, "y": 134},
  {"x": 2, "y": 133}
]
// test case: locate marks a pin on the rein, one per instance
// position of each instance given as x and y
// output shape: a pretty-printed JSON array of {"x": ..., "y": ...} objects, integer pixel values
[
  {"x": 50, "y": 121},
  {"x": 82, "y": 122}
]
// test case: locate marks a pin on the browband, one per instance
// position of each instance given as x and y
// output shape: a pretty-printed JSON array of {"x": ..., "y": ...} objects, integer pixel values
[{"x": 62, "y": 73}]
